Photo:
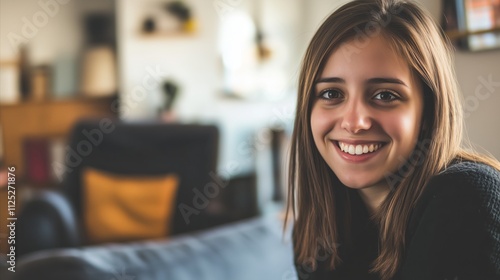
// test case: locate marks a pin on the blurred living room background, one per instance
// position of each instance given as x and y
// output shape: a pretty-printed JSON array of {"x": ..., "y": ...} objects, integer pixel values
[{"x": 68, "y": 66}]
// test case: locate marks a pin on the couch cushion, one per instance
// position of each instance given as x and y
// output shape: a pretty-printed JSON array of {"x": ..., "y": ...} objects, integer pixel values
[{"x": 125, "y": 208}]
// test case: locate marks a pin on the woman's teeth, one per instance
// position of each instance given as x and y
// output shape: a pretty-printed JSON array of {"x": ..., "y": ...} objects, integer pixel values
[{"x": 359, "y": 149}]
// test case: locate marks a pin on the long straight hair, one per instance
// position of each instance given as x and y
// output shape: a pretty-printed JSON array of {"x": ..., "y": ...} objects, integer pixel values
[{"x": 320, "y": 204}]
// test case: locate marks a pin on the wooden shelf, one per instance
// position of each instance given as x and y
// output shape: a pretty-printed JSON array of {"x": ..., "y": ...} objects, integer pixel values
[{"x": 456, "y": 34}]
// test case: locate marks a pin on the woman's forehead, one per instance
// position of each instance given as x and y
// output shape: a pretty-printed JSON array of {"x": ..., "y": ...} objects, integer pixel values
[{"x": 372, "y": 57}]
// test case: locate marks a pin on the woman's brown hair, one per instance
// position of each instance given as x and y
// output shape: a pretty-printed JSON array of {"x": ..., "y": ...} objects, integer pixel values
[{"x": 319, "y": 202}]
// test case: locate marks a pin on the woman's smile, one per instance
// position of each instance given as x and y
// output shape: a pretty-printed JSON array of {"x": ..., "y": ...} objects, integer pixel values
[{"x": 357, "y": 152}]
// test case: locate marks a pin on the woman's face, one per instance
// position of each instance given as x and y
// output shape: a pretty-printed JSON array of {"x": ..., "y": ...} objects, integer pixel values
[{"x": 366, "y": 113}]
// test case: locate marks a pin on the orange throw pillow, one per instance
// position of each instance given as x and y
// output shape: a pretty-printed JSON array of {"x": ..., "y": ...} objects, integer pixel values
[{"x": 122, "y": 208}]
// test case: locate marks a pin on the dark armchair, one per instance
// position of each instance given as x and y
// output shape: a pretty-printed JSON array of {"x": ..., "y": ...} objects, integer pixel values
[{"x": 53, "y": 219}]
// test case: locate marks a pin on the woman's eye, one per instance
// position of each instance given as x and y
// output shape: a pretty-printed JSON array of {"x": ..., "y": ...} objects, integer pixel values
[
  {"x": 386, "y": 96},
  {"x": 330, "y": 94}
]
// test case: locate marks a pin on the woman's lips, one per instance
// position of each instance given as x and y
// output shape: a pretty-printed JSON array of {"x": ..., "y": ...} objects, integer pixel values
[{"x": 358, "y": 152}]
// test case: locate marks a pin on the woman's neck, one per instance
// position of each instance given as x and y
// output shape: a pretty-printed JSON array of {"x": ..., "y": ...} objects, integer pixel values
[{"x": 374, "y": 196}]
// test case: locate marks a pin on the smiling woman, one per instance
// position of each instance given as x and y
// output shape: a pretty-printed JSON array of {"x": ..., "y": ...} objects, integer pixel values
[{"x": 380, "y": 187}]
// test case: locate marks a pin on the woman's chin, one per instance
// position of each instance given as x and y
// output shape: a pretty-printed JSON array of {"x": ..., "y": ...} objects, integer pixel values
[{"x": 359, "y": 183}]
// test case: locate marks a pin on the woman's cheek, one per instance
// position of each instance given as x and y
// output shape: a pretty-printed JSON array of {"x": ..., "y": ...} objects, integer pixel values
[
  {"x": 403, "y": 130},
  {"x": 321, "y": 121}
]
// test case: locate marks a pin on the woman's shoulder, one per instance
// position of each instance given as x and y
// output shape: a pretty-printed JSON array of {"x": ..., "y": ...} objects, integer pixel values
[
  {"x": 472, "y": 169},
  {"x": 466, "y": 178},
  {"x": 460, "y": 207},
  {"x": 463, "y": 191},
  {"x": 464, "y": 185}
]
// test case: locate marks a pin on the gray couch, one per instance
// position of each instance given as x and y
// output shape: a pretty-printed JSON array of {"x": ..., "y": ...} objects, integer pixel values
[{"x": 251, "y": 249}]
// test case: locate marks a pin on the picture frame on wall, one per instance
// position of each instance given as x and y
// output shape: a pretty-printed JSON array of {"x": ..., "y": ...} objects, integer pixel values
[{"x": 472, "y": 25}]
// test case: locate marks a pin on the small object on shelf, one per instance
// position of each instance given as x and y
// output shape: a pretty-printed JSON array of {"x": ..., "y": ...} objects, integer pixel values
[
  {"x": 175, "y": 18},
  {"x": 40, "y": 83},
  {"x": 183, "y": 14},
  {"x": 170, "y": 89},
  {"x": 65, "y": 77},
  {"x": 57, "y": 150},
  {"x": 24, "y": 74},
  {"x": 98, "y": 64},
  {"x": 179, "y": 9},
  {"x": 100, "y": 29},
  {"x": 99, "y": 72},
  {"x": 4, "y": 177},
  {"x": 9, "y": 82},
  {"x": 1, "y": 147},
  {"x": 36, "y": 155},
  {"x": 149, "y": 25}
]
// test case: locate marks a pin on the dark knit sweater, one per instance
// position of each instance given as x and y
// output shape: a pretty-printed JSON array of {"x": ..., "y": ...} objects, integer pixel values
[{"x": 453, "y": 232}]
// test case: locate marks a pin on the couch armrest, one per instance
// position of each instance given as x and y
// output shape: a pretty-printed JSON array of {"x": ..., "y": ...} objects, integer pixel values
[{"x": 46, "y": 221}]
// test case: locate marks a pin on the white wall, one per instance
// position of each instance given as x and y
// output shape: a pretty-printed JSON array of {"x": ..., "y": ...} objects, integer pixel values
[
  {"x": 316, "y": 11},
  {"x": 60, "y": 33}
]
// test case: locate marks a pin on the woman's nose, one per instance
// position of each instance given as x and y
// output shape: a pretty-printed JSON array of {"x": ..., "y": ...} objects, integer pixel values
[{"x": 356, "y": 117}]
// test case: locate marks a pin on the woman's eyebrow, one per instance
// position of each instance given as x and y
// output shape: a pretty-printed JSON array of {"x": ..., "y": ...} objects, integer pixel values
[
  {"x": 386, "y": 81},
  {"x": 369, "y": 81},
  {"x": 330, "y": 80}
]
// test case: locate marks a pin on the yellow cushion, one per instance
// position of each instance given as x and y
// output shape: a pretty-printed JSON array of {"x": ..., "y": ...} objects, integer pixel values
[{"x": 122, "y": 208}]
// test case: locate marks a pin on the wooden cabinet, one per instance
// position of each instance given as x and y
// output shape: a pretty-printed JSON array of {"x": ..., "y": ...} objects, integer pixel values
[{"x": 47, "y": 119}]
